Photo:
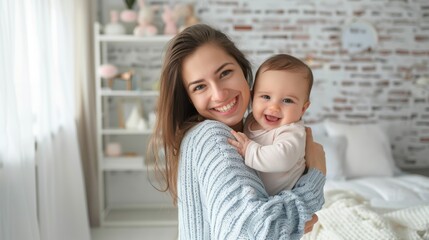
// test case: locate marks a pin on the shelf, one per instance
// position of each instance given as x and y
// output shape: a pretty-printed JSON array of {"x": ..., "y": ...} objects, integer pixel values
[
  {"x": 123, "y": 93},
  {"x": 141, "y": 216},
  {"x": 121, "y": 131},
  {"x": 133, "y": 140},
  {"x": 132, "y": 38},
  {"x": 123, "y": 163}
]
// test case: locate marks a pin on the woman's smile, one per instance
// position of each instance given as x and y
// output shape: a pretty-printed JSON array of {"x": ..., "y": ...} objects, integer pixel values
[{"x": 227, "y": 107}]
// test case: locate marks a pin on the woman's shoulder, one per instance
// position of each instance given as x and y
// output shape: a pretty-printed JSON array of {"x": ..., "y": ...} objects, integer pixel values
[
  {"x": 207, "y": 143},
  {"x": 211, "y": 127},
  {"x": 207, "y": 133}
]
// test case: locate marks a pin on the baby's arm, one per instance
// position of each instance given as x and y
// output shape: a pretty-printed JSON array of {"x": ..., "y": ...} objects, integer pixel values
[{"x": 241, "y": 142}]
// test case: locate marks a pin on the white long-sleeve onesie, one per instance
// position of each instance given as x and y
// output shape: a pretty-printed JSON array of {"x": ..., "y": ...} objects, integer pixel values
[{"x": 277, "y": 154}]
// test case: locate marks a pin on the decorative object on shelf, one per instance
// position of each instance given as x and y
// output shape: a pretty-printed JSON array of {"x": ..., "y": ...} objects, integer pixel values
[
  {"x": 170, "y": 27},
  {"x": 125, "y": 76},
  {"x": 113, "y": 149},
  {"x": 114, "y": 27},
  {"x": 155, "y": 85},
  {"x": 108, "y": 71},
  {"x": 129, "y": 15},
  {"x": 359, "y": 36},
  {"x": 152, "y": 120},
  {"x": 133, "y": 113},
  {"x": 133, "y": 119},
  {"x": 186, "y": 15},
  {"x": 145, "y": 25}
]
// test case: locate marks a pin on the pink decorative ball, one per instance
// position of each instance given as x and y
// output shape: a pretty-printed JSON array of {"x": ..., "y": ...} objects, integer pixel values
[
  {"x": 107, "y": 70},
  {"x": 113, "y": 149},
  {"x": 128, "y": 16}
]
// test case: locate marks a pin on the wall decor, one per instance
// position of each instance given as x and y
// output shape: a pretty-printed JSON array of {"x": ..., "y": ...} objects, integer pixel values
[{"x": 359, "y": 36}]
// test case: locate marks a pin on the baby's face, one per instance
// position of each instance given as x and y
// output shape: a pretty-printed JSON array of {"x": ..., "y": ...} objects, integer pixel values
[{"x": 280, "y": 97}]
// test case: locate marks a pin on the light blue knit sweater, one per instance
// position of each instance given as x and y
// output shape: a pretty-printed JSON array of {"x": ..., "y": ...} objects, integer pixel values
[{"x": 219, "y": 197}]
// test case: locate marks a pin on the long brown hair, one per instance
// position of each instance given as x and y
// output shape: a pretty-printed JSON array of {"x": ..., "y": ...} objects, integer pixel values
[{"x": 175, "y": 112}]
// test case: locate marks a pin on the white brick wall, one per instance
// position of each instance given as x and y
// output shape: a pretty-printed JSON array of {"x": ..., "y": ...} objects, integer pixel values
[{"x": 373, "y": 86}]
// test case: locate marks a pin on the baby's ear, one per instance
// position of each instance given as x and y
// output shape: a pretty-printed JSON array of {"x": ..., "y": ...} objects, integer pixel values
[{"x": 305, "y": 107}]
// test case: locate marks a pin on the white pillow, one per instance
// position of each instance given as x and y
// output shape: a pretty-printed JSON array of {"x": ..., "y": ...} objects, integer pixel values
[
  {"x": 368, "y": 150},
  {"x": 335, "y": 153},
  {"x": 335, "y": 150}
]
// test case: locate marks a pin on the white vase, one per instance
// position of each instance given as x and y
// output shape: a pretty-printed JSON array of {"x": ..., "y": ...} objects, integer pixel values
[{"x": 114, "y": 27}]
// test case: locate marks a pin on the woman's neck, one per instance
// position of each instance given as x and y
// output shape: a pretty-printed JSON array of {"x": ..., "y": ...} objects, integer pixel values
[{"x": 238, "y": 127}]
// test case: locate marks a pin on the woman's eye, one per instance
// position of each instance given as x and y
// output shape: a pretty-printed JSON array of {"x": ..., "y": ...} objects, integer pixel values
[
  {"x": 266, "y": 97},
  {"x": 198, "y": 87},
  {"x": 288, "y": 100},
  {"x": 225, "y": 73}
]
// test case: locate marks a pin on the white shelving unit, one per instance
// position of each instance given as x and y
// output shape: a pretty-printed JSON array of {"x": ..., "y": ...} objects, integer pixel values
[{"x": 125, "y": 214}]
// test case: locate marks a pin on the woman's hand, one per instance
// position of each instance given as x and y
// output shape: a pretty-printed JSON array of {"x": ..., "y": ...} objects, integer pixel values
[
  {"x": 309, "y": 225},
  {"x": 314, "y": 153}
]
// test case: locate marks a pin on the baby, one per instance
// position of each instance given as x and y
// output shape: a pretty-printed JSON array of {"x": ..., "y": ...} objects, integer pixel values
[{"x": 273, "y": 142}]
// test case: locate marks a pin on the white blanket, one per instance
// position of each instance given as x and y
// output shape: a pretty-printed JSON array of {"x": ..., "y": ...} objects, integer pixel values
[
  {"x": 347, "y": 215},
  {"x": 387, "y": 193}
]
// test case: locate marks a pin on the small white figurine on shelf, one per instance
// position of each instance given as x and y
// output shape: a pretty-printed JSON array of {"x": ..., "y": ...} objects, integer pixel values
[
  {"x": 170, "y": 27},
  {"x": 185, "y": 13},
  {"x": 136, "y": 120},
  {"x": 114, "y": 27},
  {"x": 145, "y": 19}
]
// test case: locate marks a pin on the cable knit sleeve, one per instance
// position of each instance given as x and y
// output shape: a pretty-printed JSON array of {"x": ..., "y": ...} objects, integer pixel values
[{"x": 221, "y": 198}]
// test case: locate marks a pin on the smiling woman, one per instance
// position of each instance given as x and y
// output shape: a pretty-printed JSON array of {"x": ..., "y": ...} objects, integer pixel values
[{"x": 204, "y": 94}]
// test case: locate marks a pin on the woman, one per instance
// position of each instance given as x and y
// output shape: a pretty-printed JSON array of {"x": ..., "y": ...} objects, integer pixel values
[{"x": 205, "y": 78}]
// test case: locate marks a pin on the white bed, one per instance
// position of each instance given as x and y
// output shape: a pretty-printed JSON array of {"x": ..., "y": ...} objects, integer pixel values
[
  {"x": 387, "y": 193},
  {"x": 366, "y": 195}
]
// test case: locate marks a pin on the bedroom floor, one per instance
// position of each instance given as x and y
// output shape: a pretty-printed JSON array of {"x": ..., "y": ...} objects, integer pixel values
[{"x": 138, "y": 233}]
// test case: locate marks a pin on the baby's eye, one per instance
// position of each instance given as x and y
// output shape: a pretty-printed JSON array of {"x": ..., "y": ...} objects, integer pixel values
[
  {"x": 225, "y": 73},
  {"x": 288, "y": 100},
  {"x": 266, "y": 97}
]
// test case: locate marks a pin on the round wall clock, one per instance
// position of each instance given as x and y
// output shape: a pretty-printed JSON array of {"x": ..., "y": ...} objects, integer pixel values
[{"x": 358, "y": 36}]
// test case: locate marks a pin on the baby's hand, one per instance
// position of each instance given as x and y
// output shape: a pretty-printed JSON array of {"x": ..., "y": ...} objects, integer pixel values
[{"x": 240, "y": 143}]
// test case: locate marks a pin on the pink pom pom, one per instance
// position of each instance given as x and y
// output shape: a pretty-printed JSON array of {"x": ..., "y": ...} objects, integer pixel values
[
  {"x": 128, "y": 16},
  {"x": 107, "y": 71}
]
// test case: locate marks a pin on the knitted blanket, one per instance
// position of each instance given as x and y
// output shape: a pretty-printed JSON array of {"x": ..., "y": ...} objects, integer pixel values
[{"x": 347, "y": 215}]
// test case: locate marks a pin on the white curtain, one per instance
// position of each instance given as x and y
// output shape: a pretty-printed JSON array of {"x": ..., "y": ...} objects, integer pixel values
[{"x": 37, "y": 105}]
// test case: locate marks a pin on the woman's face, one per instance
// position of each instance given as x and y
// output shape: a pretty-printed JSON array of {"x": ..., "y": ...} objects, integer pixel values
[{"x": 216, "y": 85}]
